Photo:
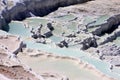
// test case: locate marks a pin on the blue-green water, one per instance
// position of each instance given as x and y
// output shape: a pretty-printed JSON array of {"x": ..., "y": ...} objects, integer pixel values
[
  {"x": 18, "y": 28},
  {"x": 72, "y": 26},
  {"x": 94, "y": 23},
  {"x": 117, "y": 41},
  {"x": 33, "y": 22},
  {"x": 100, "y": 20},
  {"x": 65, "y": 17},
  {"x": 56, "y": 39}
]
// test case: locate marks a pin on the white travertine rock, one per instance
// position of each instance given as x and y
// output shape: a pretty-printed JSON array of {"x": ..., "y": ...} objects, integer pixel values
[{"x": 20, "y": 9}]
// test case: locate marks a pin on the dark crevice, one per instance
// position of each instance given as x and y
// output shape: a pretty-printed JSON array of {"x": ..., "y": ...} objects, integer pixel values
[
  {"x": 110, "y": 30},
  {"x": 6, "y": 28},
  {"x": 44, "y": 11}
]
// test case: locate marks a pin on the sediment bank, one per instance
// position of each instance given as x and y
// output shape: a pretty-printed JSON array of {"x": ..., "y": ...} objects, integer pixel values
[{"x": 34, "y": 54}]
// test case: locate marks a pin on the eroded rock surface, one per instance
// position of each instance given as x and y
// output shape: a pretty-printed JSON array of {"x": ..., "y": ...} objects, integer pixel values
[
  {"x": 92, "y": 30},
  {"x": 10, "y": 66},
  {"x": 20, "y": 9},
  {"x": 17, "y": 72},
  {"x": 7, "y": 41}
]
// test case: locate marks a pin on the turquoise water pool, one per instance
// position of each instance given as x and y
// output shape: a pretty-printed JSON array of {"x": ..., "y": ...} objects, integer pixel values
[
  {"x": 117, "y": 41},
  {"x": 18, "y": 28}
]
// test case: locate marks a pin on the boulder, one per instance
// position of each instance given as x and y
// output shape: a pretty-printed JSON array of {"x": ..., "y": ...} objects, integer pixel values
[
  {"x": 89, "y": 42},
  {"x": 108, "y": 26},
  {"x": 47, "y": 34},
  {"x": 49, "y": 25},
  {"x": 62, "y": 44}
]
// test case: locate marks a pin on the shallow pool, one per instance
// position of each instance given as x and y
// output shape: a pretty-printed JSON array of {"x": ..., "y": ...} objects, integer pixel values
[
  {"x": 18, "y": 28},
  {"x": 63, "y": 67}
]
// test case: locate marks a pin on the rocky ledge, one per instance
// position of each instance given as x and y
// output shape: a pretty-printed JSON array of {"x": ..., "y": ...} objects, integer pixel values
[
  {"x": 107, "y": 26},
  {"x": 7, "y": 41},
  {"x": 12, "y": 69},
  {"x": 20, "y": 9}
]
